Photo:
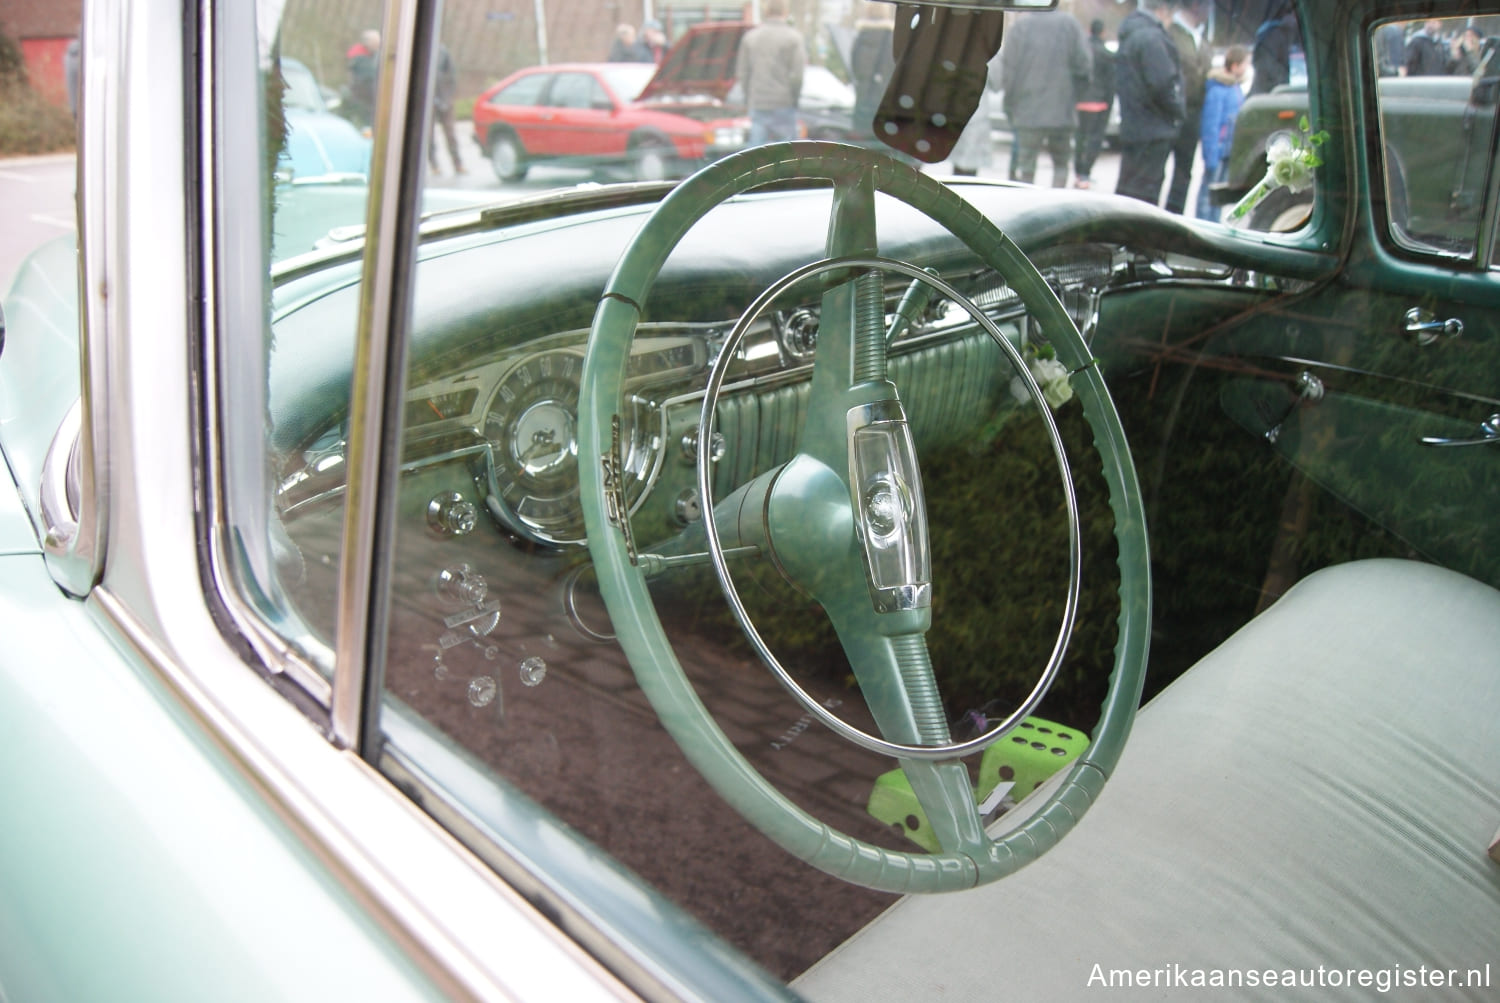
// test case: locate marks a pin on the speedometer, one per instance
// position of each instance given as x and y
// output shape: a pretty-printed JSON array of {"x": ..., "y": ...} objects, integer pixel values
[{"x": 531, "y": 427}]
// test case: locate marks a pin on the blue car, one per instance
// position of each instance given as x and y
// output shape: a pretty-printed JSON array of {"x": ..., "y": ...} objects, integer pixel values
[{"x": 320, "y": 145}]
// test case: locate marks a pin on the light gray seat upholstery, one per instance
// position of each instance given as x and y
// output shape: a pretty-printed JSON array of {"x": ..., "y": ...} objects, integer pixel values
[{"x": 1320, "y": 790}]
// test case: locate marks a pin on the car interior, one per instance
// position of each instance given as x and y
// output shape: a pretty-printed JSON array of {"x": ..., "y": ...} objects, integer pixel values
[{"x": 777, "y": 559}]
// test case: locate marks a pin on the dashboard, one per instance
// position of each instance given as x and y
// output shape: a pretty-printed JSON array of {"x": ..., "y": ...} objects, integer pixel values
[{"x": 489, "y": 478}]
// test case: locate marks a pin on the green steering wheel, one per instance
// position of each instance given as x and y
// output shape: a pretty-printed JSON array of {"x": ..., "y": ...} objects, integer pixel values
[{"x": 848, "y": 521}]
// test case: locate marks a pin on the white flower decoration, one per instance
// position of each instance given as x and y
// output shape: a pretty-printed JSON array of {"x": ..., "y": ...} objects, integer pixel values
[
  {"x": 1290, "y": 159},
  {"x": 1051, "y": 376}
]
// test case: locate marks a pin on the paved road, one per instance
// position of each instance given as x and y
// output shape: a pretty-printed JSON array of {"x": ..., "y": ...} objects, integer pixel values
[{"x": 36, "y": 204}]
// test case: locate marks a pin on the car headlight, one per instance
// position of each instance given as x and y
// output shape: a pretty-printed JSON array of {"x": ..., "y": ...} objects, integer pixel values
[{"x": 730, "y": 137}]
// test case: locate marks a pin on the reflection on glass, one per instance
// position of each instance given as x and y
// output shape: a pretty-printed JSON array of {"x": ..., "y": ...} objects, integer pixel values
[{"x": 1437, "y": 103}]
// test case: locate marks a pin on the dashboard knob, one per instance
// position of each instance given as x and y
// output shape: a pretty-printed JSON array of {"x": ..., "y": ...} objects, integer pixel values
[
  {"x": 452, "y": 514},
  {"x": 717, "y": 446},
  {"x": 462, "y": 584}
]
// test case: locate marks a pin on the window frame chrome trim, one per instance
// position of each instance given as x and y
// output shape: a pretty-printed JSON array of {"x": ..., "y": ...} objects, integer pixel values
[
  {"x": 375, "y": 416},
  {"x": 77, "y": 564}
]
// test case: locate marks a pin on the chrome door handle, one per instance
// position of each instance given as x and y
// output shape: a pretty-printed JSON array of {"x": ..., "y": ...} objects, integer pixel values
[
  {"x": 1489, "y": 432},
  {"x": 1423, "y": 327}
]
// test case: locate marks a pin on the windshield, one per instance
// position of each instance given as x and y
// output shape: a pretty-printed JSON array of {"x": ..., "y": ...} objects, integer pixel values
[{"x": 539, "y": 115}]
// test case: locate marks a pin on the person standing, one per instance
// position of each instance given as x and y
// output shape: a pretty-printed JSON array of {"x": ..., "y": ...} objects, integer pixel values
[
  {"x": 652, "y": 44},
  {"x": 626, "y": 48},
  {"x": 444, "y": 87},
  {"x": 1093, "y": 107},
  {"x": 769, "y": 68},
  {"x": 1390, "y": 44},
  {"x": 363, "y": 64},
  {"x": 871, "y": 63},
  {"x": 1044, "y": 68},
  {"x": 1196, "y": 59},
  {"x": 1221, "y": 106},
  {"x": 1426, "y": 55},
  {"x": 1466, "y": 49},
  {"x": 976, "y": 144},
  {"x": 1271, "y": 57},
  {"x": 1148, "y": 80}
]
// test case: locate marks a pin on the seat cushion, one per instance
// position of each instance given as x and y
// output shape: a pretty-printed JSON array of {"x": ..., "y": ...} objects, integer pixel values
[{"x": 1318, "y": 791}]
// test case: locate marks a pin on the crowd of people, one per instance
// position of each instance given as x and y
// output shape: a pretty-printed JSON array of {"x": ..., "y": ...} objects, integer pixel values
[
  {"x": 1058, "y": 86},
  {"x": 1420, "y": 49}
]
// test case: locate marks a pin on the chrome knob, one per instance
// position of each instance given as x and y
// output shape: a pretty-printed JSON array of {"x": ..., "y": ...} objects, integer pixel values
[
  {"x": 462, "y": 584},
  {"x": 452, "y": 514},
  {"x": 717, "y": 446}
]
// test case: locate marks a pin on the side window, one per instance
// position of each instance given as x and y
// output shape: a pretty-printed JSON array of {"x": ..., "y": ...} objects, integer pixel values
[
  {"x": 1436, "y": 101},
  {"x": 1258, "y": 128},
  {"x": 293, "y": 192},
  {"x": 573, "y": 90},
  {"x": 524, "y": 92}
]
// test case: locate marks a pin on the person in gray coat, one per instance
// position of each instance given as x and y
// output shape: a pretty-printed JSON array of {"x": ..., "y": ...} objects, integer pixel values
[
  {"x": 769, "y": 69},
  {"x": 1044, "y": 69},
  {"x": 1148, "y": 80}
]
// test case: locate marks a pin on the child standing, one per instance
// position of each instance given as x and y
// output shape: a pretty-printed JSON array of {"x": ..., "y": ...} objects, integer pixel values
[{"x": 1221, "y": 105}]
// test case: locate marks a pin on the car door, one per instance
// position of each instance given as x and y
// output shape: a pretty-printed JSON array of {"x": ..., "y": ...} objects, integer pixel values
[
  {"x": 583, "y": 121},
  {"x": 523, "y": 105},
  {"x": 1400, "y": 358}
]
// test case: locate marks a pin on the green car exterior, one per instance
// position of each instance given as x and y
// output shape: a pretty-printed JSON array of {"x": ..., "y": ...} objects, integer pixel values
[{"x": 641, "y": 591}]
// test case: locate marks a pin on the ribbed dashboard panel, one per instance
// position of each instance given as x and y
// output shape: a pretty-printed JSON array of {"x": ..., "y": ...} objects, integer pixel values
[{"x": 947, "y": 389}]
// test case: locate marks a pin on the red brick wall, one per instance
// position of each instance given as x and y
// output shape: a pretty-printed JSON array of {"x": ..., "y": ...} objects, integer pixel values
[
  {"x": 45, "y": 67},
  {"x": 23, "y": 19},
  {"x": 43, "y": 29}
]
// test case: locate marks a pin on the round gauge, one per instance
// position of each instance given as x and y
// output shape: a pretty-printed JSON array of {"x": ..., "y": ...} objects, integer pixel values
[{"x": 531, "y": 422}]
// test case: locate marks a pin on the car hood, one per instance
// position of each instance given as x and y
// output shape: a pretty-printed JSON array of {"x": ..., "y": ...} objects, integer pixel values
[{"x": 699, "y": 64}]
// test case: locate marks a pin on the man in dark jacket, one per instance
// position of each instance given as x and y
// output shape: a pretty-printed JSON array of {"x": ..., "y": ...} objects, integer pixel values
[
  {"x": 1094, "y": 105},
  {"x": 1196, "y": 58},
  {"x": 1426, "y": 54},
  {"x": 1148, "y": 79},
  {"x": 1278, "y": 37}
]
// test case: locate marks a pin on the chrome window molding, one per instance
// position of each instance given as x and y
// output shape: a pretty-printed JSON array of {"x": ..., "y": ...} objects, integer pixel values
[
  {"x": 235, "y": 309},
  {"x": 375, "y": 415},
  {"x": 77, "y": 563}
]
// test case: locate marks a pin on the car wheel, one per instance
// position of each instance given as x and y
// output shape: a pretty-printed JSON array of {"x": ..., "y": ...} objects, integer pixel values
[
  {"x": 507, "y": 156},
  {"x": 651, "y": 160}
]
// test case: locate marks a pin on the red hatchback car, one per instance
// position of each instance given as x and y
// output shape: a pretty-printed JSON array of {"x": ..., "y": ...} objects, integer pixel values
[{"x": 601, "y": 114}]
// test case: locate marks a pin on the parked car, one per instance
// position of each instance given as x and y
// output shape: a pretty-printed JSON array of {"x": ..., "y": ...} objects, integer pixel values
[
  {"x": 320, "y": 144},
  {"x": 1435, "y": 133},
  {"x": 739, "y": 589},
  {"x": 588, "y": 114},
  {"x": 657, "y": 123}
]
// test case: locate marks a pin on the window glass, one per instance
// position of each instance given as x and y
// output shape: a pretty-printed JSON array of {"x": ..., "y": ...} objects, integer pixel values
[
  {"x": 572, "y": 90},
  {"x": 524, "y": 92},
  {"x": 498, "y": 647},
  {"x": 1437, "y": 104},
  {"x": 293, "y": 197}
]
